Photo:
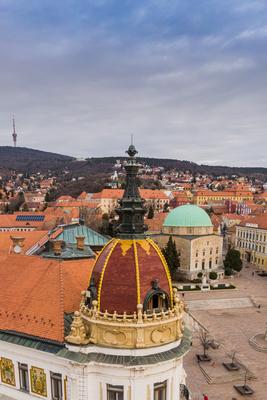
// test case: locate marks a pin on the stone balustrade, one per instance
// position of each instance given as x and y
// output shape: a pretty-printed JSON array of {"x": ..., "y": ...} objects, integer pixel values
[{"x": 137, "y": 330}]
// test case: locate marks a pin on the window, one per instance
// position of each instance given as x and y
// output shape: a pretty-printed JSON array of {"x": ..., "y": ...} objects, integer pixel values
[
  {"x": 210, "y": 251},
  {"x": 196, "y": 265},
  {"x": 203, "y": 252},
  {"x": 216, "y": 261},
  {"x": 157, "y": 301},
  {"x": 210, "y": 264},
  {"x": 156, "y": 298},
  {"x": 217, "y": 250},
  {"x": 203, "y": 264},
  {"x": 56, "y": 386},
  {"x": 115, "y": 392},
  {"x": 160, "y": 391},
  {"x": 24, "y": 377}
]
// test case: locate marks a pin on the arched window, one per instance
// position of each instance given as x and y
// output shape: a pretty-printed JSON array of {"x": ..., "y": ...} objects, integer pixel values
[{"x": 156, "y": 299}]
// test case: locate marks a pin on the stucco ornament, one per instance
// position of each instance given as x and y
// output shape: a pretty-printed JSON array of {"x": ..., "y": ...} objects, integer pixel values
[
  {"x": 78, "y": 332},
  {"x": 38, "y": 381},
  {"x": 7, "y": 371}
]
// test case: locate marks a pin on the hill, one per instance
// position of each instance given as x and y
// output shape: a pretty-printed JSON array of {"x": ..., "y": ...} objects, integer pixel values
[{"x": 25, "y": 160}]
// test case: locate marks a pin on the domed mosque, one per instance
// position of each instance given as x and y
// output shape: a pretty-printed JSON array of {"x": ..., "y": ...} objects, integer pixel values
[
  {"x": 130, "y": 318},
  {"x": 199, "y": 247}
]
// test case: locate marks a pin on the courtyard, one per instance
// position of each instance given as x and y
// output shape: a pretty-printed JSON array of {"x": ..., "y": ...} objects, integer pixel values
[{"x": 231, "y": 317}]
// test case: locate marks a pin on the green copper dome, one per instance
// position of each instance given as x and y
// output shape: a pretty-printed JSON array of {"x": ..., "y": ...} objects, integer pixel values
[{"x": 188, "y": 215}]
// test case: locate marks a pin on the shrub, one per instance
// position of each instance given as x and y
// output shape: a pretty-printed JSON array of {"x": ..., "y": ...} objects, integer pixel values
[
  {"x": 197, "y": 280},
  {"x": 213, "y": 275},
  {"x": 200, "y": 274},
  {"x": 228, "y": 271},
  {"x": 222, "y": 286}
]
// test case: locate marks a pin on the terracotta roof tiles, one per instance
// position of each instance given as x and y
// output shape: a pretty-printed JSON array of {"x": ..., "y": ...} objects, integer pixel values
[
  {"x": 35, "y": 293},
  {"x": 31, "y": 238}
]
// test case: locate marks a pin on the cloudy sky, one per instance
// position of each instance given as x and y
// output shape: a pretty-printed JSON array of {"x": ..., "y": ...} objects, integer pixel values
[{"x": 187, "y": 77}]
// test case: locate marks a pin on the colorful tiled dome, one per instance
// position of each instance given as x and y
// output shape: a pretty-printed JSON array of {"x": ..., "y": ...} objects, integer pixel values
[
  {"x": 129, "y": 302},
  {"x": 125, "y": 273},
  {"x": 188, "y": 215}
]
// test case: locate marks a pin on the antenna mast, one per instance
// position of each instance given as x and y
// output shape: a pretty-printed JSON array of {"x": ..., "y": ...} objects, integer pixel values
[{"x": 14, "y": 134}]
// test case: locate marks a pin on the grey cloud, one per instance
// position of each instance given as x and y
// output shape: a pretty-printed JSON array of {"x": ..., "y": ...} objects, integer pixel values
[{"x": 84, "y": 91}]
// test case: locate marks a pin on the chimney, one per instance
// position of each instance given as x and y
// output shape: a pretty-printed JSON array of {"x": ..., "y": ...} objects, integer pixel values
[
  {"x": 57, "y": 246},
  {"x": 80, "y": 242},
  {"x": 17, "y": 244}
]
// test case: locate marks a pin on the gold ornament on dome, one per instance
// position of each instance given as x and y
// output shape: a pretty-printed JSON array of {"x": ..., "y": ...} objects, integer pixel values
[
  {"x": 161, "y": 335},
  {"x": 114, "y": 337},
  {"x": 78, "y": 332},
  {"x": 7, "y": 371}
]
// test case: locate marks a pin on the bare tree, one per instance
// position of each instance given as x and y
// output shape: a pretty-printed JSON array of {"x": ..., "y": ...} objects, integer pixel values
[{"x": 204, "y": 341}]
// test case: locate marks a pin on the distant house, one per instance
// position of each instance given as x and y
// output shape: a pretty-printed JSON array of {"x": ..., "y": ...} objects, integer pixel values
[{"x": 108, "y": 198}]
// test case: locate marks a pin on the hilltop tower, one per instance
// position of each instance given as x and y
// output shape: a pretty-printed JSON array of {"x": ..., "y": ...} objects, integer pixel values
[{"x": 14, "y": 134}]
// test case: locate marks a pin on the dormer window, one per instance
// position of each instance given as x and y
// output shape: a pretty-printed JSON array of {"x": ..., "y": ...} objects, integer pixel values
[
  {"x": 91, "y": 293},
  {"x": 156, "y": 299}
]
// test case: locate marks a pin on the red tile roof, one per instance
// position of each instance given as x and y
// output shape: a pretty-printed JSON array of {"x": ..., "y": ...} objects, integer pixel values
[
  {"x": 233, "y": 216},
  {"x": 31, "y": 238},
  {"x": 9, "y": 221},
  {"x": 155, "y": 224},
  {"x": 223, "y": 193},
  {"x": 118, "y": 193},
  {"x": 35, "y": 293},
  {"x": 259, "y": 220},
  {"x": 82, "y": 196},
  {"x": 108, "y": 194},
  {"x": 65, "y": 198}
]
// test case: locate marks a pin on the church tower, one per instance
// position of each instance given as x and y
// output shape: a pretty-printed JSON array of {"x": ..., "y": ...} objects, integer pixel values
[{"x": 130, "y": 321}]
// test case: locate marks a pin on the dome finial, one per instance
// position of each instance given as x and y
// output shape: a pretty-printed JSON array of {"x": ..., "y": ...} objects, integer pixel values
[
  {"x": 131, "y": 150},
  {"x": 131, "y": 211}
]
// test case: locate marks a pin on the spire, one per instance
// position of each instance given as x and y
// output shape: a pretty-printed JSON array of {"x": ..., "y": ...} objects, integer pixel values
[
  {"x": 131, "y": 211},
  {"x": 14, "y": 134}
]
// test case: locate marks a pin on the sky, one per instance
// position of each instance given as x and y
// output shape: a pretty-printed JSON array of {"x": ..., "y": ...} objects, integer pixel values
[{"x": 188, "y": 78}]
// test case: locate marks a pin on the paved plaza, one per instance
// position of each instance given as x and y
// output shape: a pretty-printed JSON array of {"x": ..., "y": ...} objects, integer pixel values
[{"x": 231, "y": 323}]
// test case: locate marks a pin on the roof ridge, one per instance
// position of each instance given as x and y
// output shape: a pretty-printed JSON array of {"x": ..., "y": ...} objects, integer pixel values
[{"x": 61, "y": 297}]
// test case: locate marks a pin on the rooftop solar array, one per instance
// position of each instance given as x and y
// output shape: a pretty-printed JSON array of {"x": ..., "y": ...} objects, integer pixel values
[{"x": 30, "y": 217}]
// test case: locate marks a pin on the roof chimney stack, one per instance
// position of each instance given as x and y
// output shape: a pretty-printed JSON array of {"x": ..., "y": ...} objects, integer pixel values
[
  {"x": 80, "y": 242},
  {"x": 17, "y": 244},
  {"x": 57, "y": 246}
]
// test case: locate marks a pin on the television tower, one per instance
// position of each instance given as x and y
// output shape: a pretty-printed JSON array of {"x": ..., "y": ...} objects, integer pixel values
[{"x": 14, "y": 134}]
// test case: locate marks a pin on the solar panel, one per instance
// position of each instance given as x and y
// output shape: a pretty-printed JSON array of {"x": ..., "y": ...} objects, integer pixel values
[{"x": 30, "y": 217}]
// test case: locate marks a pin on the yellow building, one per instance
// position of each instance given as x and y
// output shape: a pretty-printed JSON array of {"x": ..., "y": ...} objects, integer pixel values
[
  {"x": 251, "y": 240},
  {"x": 206, "y": 196},
  {"x": 199, "y": 247}
]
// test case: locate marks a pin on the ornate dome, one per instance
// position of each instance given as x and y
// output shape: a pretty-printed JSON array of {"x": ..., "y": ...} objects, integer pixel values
[
  {"x": 126, "y": 272},
  {"x": 129, "y": 302},
  {"x": 188, "y": 215}
]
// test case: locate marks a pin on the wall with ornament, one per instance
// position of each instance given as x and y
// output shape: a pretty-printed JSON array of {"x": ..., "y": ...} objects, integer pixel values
[{"x": 85, "y": 381}]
